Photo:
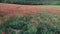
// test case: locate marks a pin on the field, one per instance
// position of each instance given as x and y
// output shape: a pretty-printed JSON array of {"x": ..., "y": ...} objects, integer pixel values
[{"x": 46, "y": 25}]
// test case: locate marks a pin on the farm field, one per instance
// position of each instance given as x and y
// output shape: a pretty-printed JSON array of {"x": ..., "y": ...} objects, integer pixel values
[{"x": 37, "y": 19}]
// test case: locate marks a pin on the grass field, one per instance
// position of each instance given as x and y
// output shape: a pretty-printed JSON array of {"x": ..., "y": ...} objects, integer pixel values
[{"x": 53, "y": 6}]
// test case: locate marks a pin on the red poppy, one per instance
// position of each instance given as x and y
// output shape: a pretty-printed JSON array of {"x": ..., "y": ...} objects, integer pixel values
[
  {"x": 11, "y": 16},
  {"x": 3, "y": 32},
  {"x": 0, "y": 21},
  {"x": 22, "y": 14},
  {"x": 58, "y": 11}
]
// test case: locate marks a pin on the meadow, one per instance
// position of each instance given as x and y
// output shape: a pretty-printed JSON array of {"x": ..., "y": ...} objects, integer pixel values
[{"x": 30, "y": 19}]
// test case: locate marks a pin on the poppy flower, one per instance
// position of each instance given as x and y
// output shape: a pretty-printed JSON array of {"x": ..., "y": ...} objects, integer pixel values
[
  {"x": 3, "y": 32},
  {"x": 11, "y": 16},
  {"x": 0, "y": 21}
]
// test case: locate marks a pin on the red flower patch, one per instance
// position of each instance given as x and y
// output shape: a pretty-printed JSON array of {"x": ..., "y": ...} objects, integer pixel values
[
  {"x": 11, "y": 16},
  {"x": 3, "y": 32}
]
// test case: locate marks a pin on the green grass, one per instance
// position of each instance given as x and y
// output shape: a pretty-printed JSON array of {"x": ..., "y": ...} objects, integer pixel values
[
  {"x": 52, "y": 6},
  {"x": 0, "y": 30}
]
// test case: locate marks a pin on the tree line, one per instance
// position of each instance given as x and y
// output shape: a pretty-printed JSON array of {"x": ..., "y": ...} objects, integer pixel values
[{"x": 32, "y": 2}]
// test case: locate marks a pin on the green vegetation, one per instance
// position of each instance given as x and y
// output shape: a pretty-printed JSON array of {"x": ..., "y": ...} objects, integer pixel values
[
  {"x": 43, "y": 23},
  {"x": 32, "y": 2}
]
